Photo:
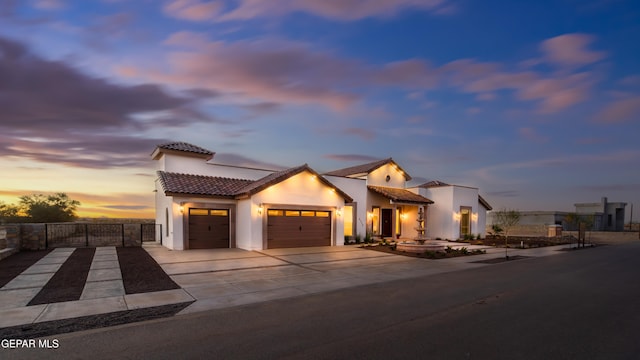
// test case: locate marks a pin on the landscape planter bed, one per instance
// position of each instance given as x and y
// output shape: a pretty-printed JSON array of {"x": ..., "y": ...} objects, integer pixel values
[{"x": 434, "y": 255}]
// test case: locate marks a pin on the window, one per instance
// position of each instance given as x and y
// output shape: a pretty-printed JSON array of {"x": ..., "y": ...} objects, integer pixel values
[
  {"x": 348, "y": 220},
  {"x": 219, "y": 212},
  {"x": 322, "y": 213},
  {"x": 166, "y": 220},
  {"x": 291, "y": 213},
  {"x": 398, "y": 221},
  {"x": 465, "y": 221},
  {"x": 198, "y": 212},
  {"x": 307, "y": 213},
  {"x": 275, "y": 212},
  {"x": 375, "y": 220}
]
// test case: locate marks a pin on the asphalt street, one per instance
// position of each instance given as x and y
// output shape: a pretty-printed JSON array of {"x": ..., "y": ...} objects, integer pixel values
[{"x": 578, "y": 305}]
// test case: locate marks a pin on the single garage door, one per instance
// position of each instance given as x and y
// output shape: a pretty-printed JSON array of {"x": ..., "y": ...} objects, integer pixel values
[
  {"x": 208, "y": 228},
  {"x": 298, "y": 228}
]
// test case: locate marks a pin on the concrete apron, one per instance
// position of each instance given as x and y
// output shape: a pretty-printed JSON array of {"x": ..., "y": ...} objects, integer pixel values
[{"x": 219, "y": 278}]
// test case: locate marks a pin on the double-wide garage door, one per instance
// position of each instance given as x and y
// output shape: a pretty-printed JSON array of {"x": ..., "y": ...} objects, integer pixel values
[
  {"x": 298, "y": 228},
  {"x": 208, "y": 228}
]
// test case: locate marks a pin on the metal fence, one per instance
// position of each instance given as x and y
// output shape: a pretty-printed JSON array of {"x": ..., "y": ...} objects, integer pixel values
[{"x": 94, "y": 235}]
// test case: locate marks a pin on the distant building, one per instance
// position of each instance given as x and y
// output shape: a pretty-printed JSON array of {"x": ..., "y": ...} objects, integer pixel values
[{"x": 607, "y": 216}]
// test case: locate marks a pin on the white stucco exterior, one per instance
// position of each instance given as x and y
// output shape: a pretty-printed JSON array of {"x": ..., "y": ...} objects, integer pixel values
[
  {"x": 375, "y": 193},
  {"x": 303, "y": 190},
  {"x": 444, "y": 217}
]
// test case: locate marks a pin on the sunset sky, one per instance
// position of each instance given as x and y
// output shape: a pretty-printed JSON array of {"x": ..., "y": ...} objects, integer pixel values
[{"x": 537, "y": 103}]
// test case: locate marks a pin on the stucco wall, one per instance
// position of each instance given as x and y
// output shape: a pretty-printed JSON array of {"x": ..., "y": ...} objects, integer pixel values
[
  {"x": 357, "y": 189},
  {"x": 439, "y": 214},
  {"x": 378, "y": 177}
]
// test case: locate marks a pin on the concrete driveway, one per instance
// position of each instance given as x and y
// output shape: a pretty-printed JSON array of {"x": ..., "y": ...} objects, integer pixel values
[{"x": 221, "y": 278}]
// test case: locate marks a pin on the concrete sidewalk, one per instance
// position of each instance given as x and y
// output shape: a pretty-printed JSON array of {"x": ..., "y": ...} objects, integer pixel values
[{"x": 221, "y": 278}]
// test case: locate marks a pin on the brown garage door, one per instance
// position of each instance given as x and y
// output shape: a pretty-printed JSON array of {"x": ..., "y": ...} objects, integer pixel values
[
  {"x": 298, "y": 228},
  {"x": 208, "y": 228}
]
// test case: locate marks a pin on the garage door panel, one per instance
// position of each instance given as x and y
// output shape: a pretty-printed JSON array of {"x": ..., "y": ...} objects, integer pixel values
[
  {"x": 208, "y": 228},
  {"x": 298, "y": 231}
]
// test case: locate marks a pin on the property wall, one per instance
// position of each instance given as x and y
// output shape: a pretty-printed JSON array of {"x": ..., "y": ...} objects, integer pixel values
[
  {"x": 32, "y": 237},
  {"x": 357, "y": 189}
]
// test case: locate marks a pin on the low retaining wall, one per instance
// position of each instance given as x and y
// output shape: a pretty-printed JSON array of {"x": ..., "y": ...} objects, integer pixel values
[{"x": 9, "y": 240}]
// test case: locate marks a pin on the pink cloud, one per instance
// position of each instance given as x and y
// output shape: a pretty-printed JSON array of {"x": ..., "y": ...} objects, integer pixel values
[
  {"x": 557, "y": 93},
  {"x": 266, "y": 70},
  {"x": 333, "y": 9},
  {"x": 571, "y": 50},
  {"x": 618, "y": 111},
  {"x": 193, "y": 10}
]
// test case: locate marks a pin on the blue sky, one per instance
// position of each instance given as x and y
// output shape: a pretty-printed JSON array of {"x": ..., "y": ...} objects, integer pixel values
[{"x": 537, "y": 103}]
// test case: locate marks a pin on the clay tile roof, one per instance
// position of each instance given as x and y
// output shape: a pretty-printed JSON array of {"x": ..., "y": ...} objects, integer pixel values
[
  {"x": 434, "y": 183},
  {"x": 400, "y": 195},
  {"x": 183, "y": 147},
  {"x": 174, "y": 183},
  {"x": 366, "y": 169}
]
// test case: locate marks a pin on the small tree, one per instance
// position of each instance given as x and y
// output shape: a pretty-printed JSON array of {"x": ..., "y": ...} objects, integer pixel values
[
  {"x": 52, "y": 208},
  {"x": 9, "y": 213},
  {"x": 506, "y": 220}
]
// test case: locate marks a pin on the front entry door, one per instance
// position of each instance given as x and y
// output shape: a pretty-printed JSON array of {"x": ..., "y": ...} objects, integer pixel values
[{"x": 387, "y": 228}]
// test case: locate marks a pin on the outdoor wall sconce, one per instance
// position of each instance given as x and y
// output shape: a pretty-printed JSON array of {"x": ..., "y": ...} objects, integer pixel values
[
  {"x": 181, "y": 209},
  {"x": 403, "y": 216},
  {"x": 338, "y": 212},
  {"x": 369, "y": 215},
  {"x": 456, "y": 216},
  {"x": 260, "y": 209},
  {"x": 474, "y": 216}
]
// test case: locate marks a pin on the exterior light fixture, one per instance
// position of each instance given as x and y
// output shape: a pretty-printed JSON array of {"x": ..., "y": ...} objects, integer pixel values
[
  {"x": 260, "y": 209},
  {"x": 181, "y": 208},
  {"x": 338, "y": 212},
  {"x": 456, "y": 216}
]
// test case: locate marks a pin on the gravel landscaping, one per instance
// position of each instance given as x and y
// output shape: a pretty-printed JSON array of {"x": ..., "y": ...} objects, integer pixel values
[
  {"x": 68, "y": 282},
  {"x": 17, "y": 263}
]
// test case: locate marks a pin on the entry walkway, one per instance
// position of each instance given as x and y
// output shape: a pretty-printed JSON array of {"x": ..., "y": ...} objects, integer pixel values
[{"x": 224, "y": 278}]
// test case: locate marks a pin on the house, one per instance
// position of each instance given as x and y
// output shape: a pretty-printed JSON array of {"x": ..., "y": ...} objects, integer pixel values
[
  {"x": 203, "y": 204},
  {"x": 606, "y": 216},
  {"x": 206, "y": 205},
  {"x": 460, "y": 210},
  {"x": 382, "y": 206}
]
